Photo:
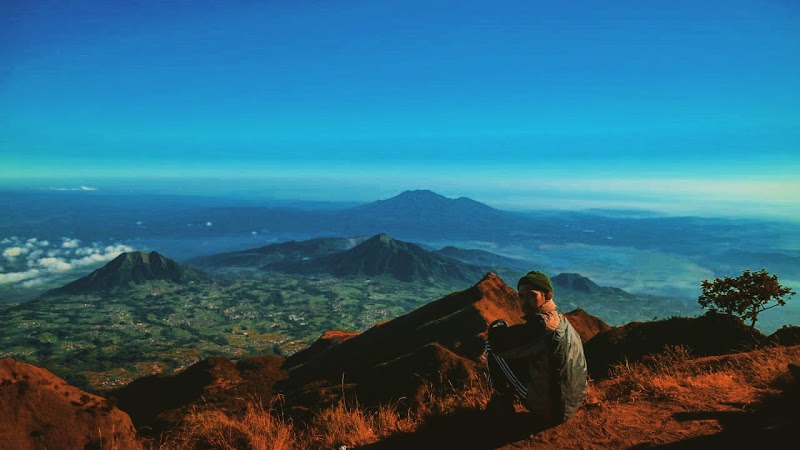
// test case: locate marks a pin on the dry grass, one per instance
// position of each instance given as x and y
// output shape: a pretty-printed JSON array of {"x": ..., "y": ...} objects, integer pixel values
[
  {"x": 443, "y": 399},
  {"x": 343, "y": 424},
  {"x": 668, "y": 374},
  {"x": 353, "y": 425},
  {"x": 256, "y": 429},
  {"x": 672, "y": 374}
]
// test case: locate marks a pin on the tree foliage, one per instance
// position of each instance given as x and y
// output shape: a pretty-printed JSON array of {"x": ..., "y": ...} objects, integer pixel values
[{"x": 744, "y": 296}]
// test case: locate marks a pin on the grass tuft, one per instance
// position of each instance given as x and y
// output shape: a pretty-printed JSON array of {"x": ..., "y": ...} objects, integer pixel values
[{"x": 256, "y": 429}]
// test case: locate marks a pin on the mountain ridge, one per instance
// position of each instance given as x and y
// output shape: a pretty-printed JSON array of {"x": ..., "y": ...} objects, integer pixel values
[
  {"x": 383, "y": 255},
  {"x": 579, "y": 283},
  {"x": 278, "y": 252}
]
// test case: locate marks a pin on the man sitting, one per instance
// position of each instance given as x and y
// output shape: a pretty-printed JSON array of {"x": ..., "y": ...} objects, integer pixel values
[{"x": 541, "y": 361}]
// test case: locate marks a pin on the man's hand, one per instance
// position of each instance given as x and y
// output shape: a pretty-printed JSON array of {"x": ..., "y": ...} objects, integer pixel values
[
  {"x": 494, "y": 327},
  {"x": 498, "y": 323}
]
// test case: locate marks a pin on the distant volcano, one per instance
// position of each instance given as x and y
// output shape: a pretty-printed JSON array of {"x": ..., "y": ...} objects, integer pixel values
[
  {"x": 424, "y": 203},
  {"x": 382, "y": 255},
  {"x": 425, "y": 215},
  {"x": 130, "y": 268}
]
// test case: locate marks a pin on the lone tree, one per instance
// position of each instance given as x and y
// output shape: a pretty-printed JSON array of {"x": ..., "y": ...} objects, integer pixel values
[{"x": 744, "y": 296}]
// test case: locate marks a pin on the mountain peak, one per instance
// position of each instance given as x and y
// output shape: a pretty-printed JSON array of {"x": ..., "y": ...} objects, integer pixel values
[
  {"x": 382, "y": 237},
  {"x": 140, "y": 257},
  {"x": 383, "y": 255},
  {"x": 130, "y": 268},
  {"x": 420, "y": 193}
]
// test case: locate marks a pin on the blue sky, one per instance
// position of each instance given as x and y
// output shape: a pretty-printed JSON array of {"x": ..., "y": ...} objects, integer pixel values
[{"x": 663, "y": 105}]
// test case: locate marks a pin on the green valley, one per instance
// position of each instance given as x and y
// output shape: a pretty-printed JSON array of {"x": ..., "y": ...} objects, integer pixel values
[{"x": 105, "y": 339}]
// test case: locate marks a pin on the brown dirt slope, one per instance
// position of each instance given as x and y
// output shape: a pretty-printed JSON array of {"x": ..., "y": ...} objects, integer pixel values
[{"x": 40, "y": 410}]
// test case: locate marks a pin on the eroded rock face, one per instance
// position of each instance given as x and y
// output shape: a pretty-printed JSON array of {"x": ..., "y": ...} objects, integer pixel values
[{"x": 39, "y": 410}]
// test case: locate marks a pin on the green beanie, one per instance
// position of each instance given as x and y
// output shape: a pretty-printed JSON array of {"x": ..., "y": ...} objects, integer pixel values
[{"x": 537, "y": 279}]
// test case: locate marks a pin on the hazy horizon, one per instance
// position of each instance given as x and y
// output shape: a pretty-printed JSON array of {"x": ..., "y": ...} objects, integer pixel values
[{"x": 572, "y": 196}]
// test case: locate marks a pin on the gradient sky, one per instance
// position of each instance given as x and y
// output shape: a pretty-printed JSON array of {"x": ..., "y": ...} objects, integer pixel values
[{"x": 639, "y": 104}]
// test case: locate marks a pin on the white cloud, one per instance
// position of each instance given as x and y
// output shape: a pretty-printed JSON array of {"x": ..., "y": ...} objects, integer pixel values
[
  {"x": 109, "y": 253},
  {"x": 6, "y": 241},
  {"x": 33, "y": 243},
  {"x": 42, "y": 259},
  {"x": 12, "y": 252},
  {"x": 117, "y": 249},
  {"x": 86, "y": 251},
  {"x": 55, "y": 264},
  {"x": 15, "y": 277},
  {"x": 70, "y": 243},
  {"x": 82, "y": 188},
  {"x": 89, "y": 260}
]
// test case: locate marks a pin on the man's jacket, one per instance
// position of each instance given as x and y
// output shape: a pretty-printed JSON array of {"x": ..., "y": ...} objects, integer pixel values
[{"x": 549, "y": 349}]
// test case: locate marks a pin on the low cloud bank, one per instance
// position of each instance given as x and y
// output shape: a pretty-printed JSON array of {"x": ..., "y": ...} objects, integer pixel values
[{"x": 26, "y": 265}]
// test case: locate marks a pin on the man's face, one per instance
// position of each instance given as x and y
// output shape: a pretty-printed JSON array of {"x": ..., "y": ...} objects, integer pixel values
[{"x": 531, "y": 299}]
